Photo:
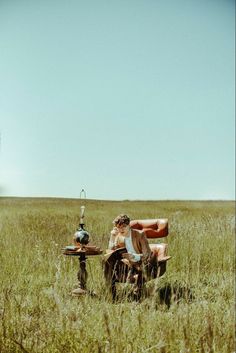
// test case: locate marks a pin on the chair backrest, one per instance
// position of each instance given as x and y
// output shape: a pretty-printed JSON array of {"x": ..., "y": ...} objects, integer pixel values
[{"x": 153, "y": 228}]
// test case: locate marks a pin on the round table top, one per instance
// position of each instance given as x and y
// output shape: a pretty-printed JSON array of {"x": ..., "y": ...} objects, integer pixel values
[{"x": 88, "y": 250}]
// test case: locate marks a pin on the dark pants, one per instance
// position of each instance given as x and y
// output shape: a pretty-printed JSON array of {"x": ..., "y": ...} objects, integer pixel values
[{"x": 137, "y": 273}]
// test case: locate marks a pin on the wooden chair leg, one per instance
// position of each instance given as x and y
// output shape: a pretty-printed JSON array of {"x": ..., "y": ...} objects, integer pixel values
[{"x": 161, "y": 268}]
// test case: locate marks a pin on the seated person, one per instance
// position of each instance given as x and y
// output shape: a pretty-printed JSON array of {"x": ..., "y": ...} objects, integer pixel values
[
  {"x": 139, "y": 255},
  {"x": 122, "y": 236},
  {"x": 134, "y": 240}
]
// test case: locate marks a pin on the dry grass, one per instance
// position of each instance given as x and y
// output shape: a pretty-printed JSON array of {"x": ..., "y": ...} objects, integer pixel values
[{"x": 38, "y": 314}]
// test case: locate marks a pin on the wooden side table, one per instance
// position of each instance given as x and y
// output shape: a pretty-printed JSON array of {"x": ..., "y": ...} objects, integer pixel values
[{"x": 82, "y": 254}]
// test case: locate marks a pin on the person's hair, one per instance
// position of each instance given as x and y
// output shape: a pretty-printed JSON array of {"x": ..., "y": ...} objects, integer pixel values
[{"x": 121, "y": 219}]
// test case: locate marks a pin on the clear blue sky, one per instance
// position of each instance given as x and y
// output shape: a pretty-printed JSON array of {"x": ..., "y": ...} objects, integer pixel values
[{"x": 127, "y": 99}]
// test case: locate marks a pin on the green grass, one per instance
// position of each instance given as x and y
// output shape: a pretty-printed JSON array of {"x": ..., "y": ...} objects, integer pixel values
[{"x": 38, "y": 313}]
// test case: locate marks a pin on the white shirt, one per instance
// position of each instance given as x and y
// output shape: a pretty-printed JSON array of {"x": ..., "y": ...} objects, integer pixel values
[{"x": 130, "y": 248}]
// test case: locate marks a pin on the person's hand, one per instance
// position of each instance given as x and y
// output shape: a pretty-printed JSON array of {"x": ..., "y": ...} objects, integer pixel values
[
  {"x": 129, "y": 257},
  {"x": 115, "y": 232}
]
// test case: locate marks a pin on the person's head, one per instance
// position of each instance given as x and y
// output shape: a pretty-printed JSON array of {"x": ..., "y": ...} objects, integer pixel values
[{"x": 122, "y": 222}]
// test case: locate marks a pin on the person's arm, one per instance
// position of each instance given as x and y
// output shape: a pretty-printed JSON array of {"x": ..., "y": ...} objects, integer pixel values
[
  {"x": 132, "y": 257},
  {"x": 136, "y": 257},
  {"x": 112, "y": 241}
]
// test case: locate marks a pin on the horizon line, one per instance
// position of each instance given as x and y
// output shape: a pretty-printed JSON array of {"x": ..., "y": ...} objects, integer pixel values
[{"x": 117, "y": 200}]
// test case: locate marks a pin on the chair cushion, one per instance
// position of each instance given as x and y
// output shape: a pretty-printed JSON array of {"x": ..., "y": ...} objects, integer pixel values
[{"x": 153, "y": 228}]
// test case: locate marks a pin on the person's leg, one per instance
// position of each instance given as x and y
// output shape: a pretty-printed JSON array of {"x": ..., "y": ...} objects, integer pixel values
[
  {"x": 113, "y": 288},
  {"x": 131, "y": 277}
]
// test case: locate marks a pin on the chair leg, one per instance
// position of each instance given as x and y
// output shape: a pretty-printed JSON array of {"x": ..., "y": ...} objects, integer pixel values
[
  {"x": 154, "y": 271},
  {"x": 161, "y": 268}
]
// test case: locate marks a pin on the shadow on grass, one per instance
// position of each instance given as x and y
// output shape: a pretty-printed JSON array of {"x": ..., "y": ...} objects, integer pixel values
[
  {"x": 174, "y": 293},
  {"x": 163, "y": 294}
]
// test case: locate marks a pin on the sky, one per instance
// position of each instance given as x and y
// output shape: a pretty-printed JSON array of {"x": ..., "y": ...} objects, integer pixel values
[{"x": 128, "y": 99}]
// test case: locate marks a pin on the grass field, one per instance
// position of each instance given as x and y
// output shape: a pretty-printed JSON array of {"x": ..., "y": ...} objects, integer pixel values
[{"x": 38, "y": 313}]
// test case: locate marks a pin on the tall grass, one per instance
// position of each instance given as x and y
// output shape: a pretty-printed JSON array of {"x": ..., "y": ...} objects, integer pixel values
[{"x": 38, "y": 313}]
